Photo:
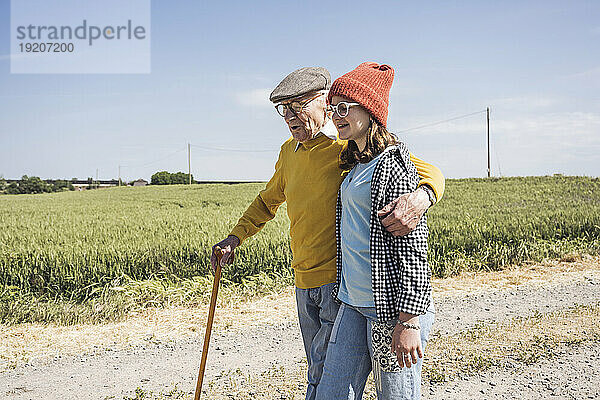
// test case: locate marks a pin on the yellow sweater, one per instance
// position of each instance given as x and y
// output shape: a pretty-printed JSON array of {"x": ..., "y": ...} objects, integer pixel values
[{"x": 308, "y": 179}]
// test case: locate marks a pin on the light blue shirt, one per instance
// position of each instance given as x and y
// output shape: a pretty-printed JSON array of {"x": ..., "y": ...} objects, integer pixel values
[{"x": 355, "y": 286}]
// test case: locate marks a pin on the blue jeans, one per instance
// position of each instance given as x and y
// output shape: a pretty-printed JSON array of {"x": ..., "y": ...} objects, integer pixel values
[
  {"x": 349, "y": 359},
  {"x": 317, "y": 310}
]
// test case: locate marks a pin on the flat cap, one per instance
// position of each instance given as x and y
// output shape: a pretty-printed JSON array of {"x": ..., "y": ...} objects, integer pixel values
[{"x": 301, "y": 81}]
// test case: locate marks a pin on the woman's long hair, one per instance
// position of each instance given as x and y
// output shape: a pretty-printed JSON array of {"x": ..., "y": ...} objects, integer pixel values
[{"x": 378, "y": 139}]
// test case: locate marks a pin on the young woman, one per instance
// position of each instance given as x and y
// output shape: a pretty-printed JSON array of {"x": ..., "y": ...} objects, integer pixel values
[{"x": 383, "y": 281}]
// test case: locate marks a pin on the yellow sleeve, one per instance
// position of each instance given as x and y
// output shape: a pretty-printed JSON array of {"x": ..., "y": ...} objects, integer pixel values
[
  {"x": 264, "y": 206},
  {"x": 430, "y": 175}
]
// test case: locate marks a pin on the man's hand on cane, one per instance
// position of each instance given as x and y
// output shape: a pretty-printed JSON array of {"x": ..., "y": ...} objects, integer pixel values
[
  {"x": 227, "y": 247},
  {"x": 401, "y": 216}
]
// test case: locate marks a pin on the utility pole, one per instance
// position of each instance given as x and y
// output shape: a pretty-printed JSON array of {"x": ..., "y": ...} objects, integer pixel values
[
  {"x": 97, "y": 177},
  {"x": 119, "y": 176},
  {"x": 189, "y": 165},
  {"x": 488, "y": 141}
]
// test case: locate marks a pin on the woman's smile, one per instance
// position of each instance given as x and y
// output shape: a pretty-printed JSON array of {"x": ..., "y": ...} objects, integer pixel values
[{"x": 342, "y": 125}]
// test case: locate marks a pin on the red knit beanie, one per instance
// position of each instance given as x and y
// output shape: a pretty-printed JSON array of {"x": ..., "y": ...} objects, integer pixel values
[{"x": 368, "y": 84}]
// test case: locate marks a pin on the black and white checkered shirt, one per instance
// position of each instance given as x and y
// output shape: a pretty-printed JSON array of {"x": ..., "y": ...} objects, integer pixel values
[{"x": 400, "y": 272}]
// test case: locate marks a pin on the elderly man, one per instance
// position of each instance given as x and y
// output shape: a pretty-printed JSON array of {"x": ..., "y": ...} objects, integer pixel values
[{"x": 307, "y": 176}]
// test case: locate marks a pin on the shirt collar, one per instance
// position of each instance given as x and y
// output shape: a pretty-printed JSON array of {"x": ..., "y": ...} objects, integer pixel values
[{"x": 328, "y": 130}]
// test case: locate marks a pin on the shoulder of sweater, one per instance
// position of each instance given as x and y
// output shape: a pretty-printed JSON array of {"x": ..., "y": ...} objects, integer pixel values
[{"x": 288, "y": 145}]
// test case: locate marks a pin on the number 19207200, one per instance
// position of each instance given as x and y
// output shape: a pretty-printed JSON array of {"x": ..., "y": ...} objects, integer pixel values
[{"x": 46, "y": 47}]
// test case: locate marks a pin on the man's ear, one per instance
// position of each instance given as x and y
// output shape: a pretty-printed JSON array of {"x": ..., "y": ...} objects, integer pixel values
[{"x": 327, "y": 111}]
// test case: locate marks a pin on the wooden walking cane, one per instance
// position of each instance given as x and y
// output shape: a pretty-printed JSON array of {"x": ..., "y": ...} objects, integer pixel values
[{"x": 211, "y": 315}]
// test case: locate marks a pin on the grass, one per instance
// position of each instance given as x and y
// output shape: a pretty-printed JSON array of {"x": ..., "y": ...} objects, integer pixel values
[
  {"x": 487, "y": 224},
  {"x": 99, "y": 255},
  {"x": 125, "y": 296},
  {"x": 20, "y": 343},
  {"x": 142, "y": 394}
]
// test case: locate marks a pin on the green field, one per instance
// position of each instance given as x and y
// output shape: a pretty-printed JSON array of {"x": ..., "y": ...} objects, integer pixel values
[{"x": 97, "y": 255}]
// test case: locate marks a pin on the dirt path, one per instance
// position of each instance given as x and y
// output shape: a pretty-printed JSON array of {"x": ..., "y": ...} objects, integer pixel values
[
  {"x": 573, "y": 374},
  {"x": 158, "y": 367}
]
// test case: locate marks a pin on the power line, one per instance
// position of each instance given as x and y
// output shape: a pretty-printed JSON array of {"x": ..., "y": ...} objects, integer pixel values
[
  {"x": 238, "y": 150},
  {"x": 233, "y": 150},
  {"x": 441, "y": 122},
  {"x": 211, "y": 148},
  {"x": 155, "y": 161}
]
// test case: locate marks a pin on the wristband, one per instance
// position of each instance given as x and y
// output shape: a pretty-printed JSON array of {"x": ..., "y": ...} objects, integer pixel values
[{"x": 430, "y": 194}]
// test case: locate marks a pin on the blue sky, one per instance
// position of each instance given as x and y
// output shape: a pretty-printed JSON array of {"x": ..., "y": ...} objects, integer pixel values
[{"x": 213, "y": 64}]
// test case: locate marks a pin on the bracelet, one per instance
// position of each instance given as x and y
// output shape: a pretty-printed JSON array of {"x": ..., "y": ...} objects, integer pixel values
[{"x": 408, "y": 326}]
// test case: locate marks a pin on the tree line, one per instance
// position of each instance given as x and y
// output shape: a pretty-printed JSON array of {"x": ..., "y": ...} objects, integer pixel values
[
  {"x": 168, "y": 178},
  {"x": 33, "y": 184}
]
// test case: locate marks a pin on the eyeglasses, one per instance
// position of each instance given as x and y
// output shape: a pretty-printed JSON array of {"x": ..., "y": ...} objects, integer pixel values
[
  {"x": 342, "y": 108},
  {"x": 295, "y": 106}
]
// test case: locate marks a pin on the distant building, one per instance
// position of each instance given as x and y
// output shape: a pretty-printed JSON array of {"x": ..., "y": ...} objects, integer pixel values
[
  {"x": 140, "y": 182},
  {"x": 92, "y": 184}
]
